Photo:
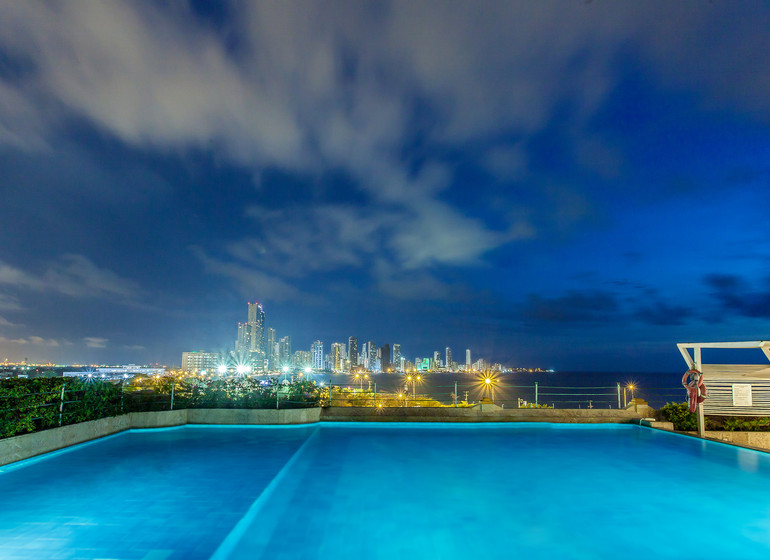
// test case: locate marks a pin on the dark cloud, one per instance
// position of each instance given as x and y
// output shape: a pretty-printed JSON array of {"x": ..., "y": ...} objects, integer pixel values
[
  {"x": 574, "y": 307},
  {"x": 662, "y": 314},
  {"x": 737, "y": 297}
]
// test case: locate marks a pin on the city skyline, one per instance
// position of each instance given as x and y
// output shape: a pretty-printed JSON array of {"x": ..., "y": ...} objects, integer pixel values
[{"x": 572, "y": 185}]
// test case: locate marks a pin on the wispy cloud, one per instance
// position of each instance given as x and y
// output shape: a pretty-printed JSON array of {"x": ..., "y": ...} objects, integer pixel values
[
  {"x": 72, "y": 275},
  {"x": 95, "y": 342}
]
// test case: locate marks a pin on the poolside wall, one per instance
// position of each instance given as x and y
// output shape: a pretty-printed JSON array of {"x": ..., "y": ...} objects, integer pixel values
[
  {"x": 759, "y": 440},
  {"x": 29, "y": 445},
  {"x": 481, "y": 413}
]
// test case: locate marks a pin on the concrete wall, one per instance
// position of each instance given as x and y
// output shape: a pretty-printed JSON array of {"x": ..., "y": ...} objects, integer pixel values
[
  {"x": 760, "y": 440},
  {"x": 29, "y": 445},
  {"x": 479, "y": 413}
]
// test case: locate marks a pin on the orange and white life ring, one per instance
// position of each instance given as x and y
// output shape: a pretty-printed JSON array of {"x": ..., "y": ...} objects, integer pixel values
[{"x": 692, "y": 381}]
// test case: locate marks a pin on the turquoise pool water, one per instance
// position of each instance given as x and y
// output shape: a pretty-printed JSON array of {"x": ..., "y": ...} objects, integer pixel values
[{"x": 343, "y": 491}]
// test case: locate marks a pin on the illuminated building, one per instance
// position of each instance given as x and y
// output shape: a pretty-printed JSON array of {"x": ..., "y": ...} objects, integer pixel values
[
  {"x": 397, "y": 359},
  {"x": 270, "y": 350},
  {"x": 353, "y": 351},
  {"x": 284, "y": 351},
  {"x": 195, "y": 362},
  {"x": 468, "y": 359},
  {"x": 448, "y": 362},
  {"x": 317, "y": 351},
  {"x": 337, "y": 356},
  {"x": 256, "y": 327}
]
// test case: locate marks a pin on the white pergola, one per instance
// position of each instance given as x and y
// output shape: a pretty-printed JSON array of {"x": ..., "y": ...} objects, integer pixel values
[{"x": 733, "y": 389}]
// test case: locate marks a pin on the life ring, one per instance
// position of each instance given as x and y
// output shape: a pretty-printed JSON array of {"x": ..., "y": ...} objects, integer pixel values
[{"x": 692, "y": 381}]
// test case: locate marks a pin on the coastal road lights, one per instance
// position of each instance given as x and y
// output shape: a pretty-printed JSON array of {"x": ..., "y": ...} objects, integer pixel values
[{"x": 488, "y": 385}]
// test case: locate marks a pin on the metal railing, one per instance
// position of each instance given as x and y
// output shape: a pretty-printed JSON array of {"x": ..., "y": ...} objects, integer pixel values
[{"x": 499, "y": 393}]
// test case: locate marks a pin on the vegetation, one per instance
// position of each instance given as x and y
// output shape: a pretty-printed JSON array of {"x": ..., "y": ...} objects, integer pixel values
[
  {"x": 685, "y": 421},
  {"x": 30, "y": 405},
  {"x": 679, "y": 414}
]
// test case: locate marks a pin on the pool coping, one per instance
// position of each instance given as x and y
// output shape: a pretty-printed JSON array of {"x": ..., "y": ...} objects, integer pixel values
[{"x": 26, "y": 446}]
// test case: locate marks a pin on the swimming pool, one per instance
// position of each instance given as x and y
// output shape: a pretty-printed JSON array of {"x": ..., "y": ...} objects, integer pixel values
[{"x": 390, "y": 491}]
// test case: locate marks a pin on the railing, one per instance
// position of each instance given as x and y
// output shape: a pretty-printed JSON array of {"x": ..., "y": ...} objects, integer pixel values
[
  {"x": 63, "y": 401},
  {"x": 499, "y": 393}
]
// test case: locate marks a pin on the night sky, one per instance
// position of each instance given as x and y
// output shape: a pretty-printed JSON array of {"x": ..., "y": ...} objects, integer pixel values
[{"x": 576, "y": 185}]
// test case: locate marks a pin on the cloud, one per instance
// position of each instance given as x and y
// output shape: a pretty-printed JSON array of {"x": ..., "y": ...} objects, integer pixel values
[
  {"x": 350, "y": 86},
  {"x": 5, "y": 322},
  {"x": 33, "y": 341},
  {"x": 72, "y": 275},
  {"x": 249, "y": 280},
  {"x": 95, "y": 342},
  {"x": 661, "y": 313},
  {"x": 8, "y": 302},
  {"x": 574, "y": 307},
  {"x": 736, "y": 296}
]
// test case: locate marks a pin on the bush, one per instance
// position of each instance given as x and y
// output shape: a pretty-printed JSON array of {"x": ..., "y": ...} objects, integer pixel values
[
  {"x": 679, "y": 414},
  {"x": 30, "y": 405}
]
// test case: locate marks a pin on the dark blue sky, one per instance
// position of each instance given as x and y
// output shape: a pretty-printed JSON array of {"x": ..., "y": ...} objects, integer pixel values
[{"x": 572, "y": 184}]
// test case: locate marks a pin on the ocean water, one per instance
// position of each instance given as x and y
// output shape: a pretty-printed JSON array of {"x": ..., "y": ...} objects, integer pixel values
[{"x": 351, "y": 491}]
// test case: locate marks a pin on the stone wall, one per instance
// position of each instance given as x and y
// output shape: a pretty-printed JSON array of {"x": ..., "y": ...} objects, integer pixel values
[
  {"x": 479, "y": 413},
  {"x": 759, "y": 440}
]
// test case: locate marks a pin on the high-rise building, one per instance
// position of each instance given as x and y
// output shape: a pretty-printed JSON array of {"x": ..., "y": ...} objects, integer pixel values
[
  {"x": 271, "y": 354},
  {"x": 371, "y": 356},
  {"x": 301, "y": 359},
  {"x": 353, "y": 351},
  {"x": 436, "y": 360},
  {"x": 242, "y": 344},
  {"x": 448, "y": 362},
  {"x": 385, "y": 359},
  {"x": 317, "y": 351},
  {"x": 468, "y": 359},
  {"x": 256, "y": 336},
  {"x": 397, "y": 357},
  {"x": 284, "y": 352},
  {"x": 338, "y": 356}
]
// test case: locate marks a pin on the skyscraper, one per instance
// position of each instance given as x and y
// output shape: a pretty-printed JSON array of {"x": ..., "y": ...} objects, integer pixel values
[
  {"x": 337, "y": 353},
  {"x": 468, "y": 359},
  {"x": 256, "y": 330},
  {"x": 284, "y": 352},
  {"x": 397, "y": 357},
  {"x": 272, "y": 355},
  {"x": 448, "y": 362},
  {"x": 353, "y": 351},
  {"x": 370, "y": 356},
  {"x": 385, "y": 358},
  {"x": 242, "y": 344},
  {"x": 317, "y": 351}
]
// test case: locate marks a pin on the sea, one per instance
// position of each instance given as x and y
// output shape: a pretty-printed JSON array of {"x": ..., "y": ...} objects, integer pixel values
[{"x": 560, "y": 389}]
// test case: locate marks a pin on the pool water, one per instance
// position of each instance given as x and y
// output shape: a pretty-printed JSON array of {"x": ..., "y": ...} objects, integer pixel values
[{"x": 340, "y": 491}]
